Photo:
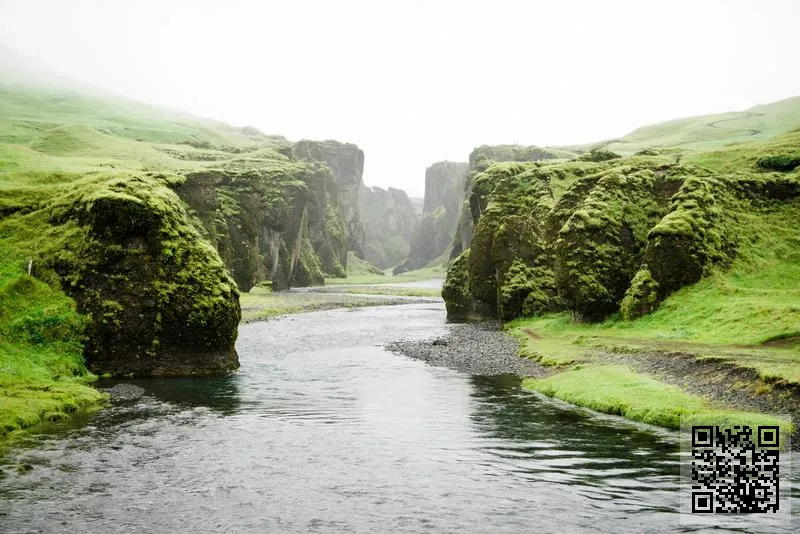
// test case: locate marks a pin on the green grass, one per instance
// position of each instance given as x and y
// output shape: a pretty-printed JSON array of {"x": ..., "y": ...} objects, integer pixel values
[
  {"x": 42, "y": 375},
  {"x": 706, "y": 132},
  {"x": 263, "y": 306},
  {"x": 387, "y": 290},
  {"x": 617, "y": 390},
  {"x": 428, "y": 273}
]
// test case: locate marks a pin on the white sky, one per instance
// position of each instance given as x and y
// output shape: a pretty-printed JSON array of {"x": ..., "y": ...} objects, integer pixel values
[{"x": 414, "y": 82}]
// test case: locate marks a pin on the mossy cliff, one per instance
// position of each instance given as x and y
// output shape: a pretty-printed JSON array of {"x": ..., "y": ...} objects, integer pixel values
[
  {"x": 606, "y": 235},
  {"x": 389, "y": 219},
  {"x": 155, "y": 296},
  {"x": 147, "y": 220},
  {"x": 444, "y": 196},
  {"x": 280, "y": 223},
  {"x": 474, "y": 200},
  {"x": 346, "y": 161}
]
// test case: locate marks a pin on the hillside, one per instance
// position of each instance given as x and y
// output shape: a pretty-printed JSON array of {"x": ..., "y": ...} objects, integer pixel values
[
  {"x": 630, "y": 275},
  {"x": 706, "y": 132},
  {"x": 128, "y": 230}
]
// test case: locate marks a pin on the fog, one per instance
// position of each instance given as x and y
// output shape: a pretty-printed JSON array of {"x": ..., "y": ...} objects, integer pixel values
[{"x": 416, "y": 82}]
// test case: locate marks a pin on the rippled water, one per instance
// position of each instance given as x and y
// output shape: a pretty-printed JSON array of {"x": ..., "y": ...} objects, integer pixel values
[{"x": 323, "y": 431}]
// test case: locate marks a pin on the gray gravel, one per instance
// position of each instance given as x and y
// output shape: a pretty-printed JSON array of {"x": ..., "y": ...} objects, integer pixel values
[
  {"x": 474, "y": 348},
  {"x": 125, "y": 392}
]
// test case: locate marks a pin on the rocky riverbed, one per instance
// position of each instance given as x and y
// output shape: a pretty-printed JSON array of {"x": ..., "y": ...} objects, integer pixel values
[{"x": 475, "y": 348}]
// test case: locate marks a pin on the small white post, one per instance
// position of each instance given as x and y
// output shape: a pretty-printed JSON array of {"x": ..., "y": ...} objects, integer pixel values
[{"x": 30, "y": 265}]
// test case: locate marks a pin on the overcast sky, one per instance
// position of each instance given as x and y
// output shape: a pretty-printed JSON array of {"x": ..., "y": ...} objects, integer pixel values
[{"x": 416, "y": 82}]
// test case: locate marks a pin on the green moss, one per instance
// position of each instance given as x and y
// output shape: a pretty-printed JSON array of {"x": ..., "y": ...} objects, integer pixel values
[
  {"x": 599, "y": 154},
  {"x": 455, "y": 289},
  {"x": 617, "y": 390},
  {"x": 779, "y": 162},
  {"x": 42, "y": 374},
  {"x": 641, "y": 297},
  {"x": 600, "y": 246}
]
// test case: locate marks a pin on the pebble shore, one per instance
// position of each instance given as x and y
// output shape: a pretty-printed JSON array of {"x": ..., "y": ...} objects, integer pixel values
[{"x": 474, "y": 348}]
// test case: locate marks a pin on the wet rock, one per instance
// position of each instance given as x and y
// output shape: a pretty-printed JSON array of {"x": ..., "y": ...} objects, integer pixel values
[{"x": 125, "y": 392}]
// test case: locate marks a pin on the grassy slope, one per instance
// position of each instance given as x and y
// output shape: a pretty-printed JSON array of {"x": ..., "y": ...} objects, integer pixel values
[
  {"x": 59, "y": 140},
  {"x": 42, "y": 375},
  {"x": 706, "y": 132},
  {"x": 365, "y": 277},
  {"x": 747, "y": 315}
]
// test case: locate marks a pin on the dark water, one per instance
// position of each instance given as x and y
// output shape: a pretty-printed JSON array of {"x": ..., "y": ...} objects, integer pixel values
[{"x": 323, "y": 431}]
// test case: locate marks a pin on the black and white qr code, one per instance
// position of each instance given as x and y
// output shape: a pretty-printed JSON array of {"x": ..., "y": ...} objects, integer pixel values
[{"x": 735, "y": 470}]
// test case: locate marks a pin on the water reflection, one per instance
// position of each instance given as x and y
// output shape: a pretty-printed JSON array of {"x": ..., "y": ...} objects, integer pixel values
[
  {"x": 324, "y": 431},
  {"x": 219, "y": 393}
]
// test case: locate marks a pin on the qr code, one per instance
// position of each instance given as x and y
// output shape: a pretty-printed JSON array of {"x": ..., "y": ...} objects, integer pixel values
[{"x": 735, "y": 470}]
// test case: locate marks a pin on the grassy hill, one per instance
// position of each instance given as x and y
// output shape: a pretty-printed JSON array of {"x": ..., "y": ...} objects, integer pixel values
[
  {"x": 706, "y": 132},
  {"x": 76, "y": 166}
]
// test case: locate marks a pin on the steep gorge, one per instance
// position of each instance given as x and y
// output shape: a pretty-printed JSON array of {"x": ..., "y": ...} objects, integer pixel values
[
  {"x": 390, "y": 219},
  {"x": 444, "y": 194}
]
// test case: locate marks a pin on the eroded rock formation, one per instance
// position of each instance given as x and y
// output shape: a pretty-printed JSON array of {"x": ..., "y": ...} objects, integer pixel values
[
  {"x": 390, "y": 219},
  {"x": 444, "y": 194},
  {"x": 346, "y": 161},
  {"x": 597, "y": 238}
]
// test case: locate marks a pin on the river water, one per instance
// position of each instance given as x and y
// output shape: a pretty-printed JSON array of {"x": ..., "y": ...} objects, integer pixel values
[{"x": 322, "y": 430}]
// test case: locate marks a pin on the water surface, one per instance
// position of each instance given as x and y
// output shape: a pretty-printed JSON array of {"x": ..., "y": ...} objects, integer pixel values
[{"x": 322, "y": 430}]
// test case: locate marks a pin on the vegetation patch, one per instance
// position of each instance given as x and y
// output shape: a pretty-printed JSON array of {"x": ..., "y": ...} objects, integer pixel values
[
  {"x": 617, "y": 390},
  {"x": 42, "y": 374}
]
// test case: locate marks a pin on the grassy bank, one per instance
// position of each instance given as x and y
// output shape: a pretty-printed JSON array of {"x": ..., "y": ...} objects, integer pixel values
[
  {"x": 264, "y": 306},
  {"x": 618, "y": 390},
  {"x": 366, "y": 278},
  {"x": 42, "y": 375},
  {"x": 615, "y": 368}
]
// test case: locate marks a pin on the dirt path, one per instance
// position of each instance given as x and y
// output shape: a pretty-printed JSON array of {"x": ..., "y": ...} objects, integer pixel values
[{"x": 746, "y": 115}]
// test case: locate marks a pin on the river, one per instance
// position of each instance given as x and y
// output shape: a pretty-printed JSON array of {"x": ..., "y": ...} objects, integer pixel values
[{"x": 322, "y": 430}]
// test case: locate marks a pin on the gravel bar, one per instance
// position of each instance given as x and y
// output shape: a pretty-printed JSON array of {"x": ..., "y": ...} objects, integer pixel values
[{"x": 474, "y": 348}]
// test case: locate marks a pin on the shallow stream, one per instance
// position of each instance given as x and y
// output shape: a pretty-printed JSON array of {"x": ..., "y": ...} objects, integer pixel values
[{"x": 322, "y": 430}]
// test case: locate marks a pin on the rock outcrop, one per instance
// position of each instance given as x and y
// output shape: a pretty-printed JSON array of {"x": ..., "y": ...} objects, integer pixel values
[
  {"x": 156, "y": 297},
  {"x": 390, "y": 219},
  {"x": 444, "y": 195},
  {"x": 346, "y": 161},
  {"x": 600, "y": 237},
  {"x": 479, "y": 160}
]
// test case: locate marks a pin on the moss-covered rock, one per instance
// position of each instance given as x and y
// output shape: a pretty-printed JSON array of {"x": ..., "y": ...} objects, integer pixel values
[
  {"x": 691, "y": 237},
  {"x": 390, "y": 220},
  {"x": 455, "y": 290},
  {"x": 779, "y": 162},
  {"x": 346, "y": 162},
  {"x": 260, "y": 220},
  {"x": 599, "y": 154},
  {"x": 156, "y": 297},
  {"x": 641, "y": 297},
  {"x": 597, "y": 238},
  {"x": 600, "y": 247},
  {"x": 480, "y": 160},
  {"x": 444, "y": 196}
]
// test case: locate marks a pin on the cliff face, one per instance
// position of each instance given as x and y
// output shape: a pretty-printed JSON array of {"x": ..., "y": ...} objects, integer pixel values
[
  {"x": 346, "y": 161},
  {"x": 390, "y": 219},
  {"x": 156, "y": 298},
  {"x": 280, "y": 223},
  {"x": 597, "y": 238},
  {"x": 444, "y": 195},
  {"x": 481, "y": 159}
]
